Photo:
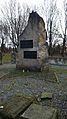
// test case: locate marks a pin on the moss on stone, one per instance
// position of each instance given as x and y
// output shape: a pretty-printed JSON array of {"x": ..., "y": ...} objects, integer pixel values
[{"x": 17, "y": 104}]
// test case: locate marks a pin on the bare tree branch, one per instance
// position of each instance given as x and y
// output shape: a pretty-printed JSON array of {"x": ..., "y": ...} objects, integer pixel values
[{"x": 16, "y": 19}]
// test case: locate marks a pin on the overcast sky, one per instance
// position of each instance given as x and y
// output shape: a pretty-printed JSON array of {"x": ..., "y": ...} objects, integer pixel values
[
  {"x": 31, "y": 2},
  {"x": 35, "y": 2}
]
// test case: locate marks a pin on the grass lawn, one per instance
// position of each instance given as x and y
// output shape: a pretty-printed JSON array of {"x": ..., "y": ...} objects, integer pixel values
[
  {"x": 6, "y": 58},
  {"x": 13, "y": 72},
  {"x": 59, "y": 69}
]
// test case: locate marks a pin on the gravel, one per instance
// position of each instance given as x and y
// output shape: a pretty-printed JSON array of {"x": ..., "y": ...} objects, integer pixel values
[{"x": 32, "y": 86}]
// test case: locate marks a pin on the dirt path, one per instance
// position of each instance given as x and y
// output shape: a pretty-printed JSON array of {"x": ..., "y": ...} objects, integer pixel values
[{"x": 7, "y": 66}]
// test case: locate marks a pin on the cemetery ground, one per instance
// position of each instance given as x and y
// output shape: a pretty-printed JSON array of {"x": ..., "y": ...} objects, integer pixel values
[{"x": 52, "y": 81}]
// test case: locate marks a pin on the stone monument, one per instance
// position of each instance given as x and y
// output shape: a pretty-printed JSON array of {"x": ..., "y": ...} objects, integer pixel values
[{"x": 32, "y": 50}]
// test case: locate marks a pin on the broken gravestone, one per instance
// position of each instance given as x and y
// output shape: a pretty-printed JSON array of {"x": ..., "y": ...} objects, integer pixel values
[
  {"x": 15, "y": 105},
  {"x": 24, "y": 107},
  {"x": 36, "y": 111}
]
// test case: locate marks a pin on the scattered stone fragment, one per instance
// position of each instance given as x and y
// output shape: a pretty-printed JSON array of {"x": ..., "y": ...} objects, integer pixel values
[
  {"x": 39, "y": 112},
  {"x": 46, "y": 95}
]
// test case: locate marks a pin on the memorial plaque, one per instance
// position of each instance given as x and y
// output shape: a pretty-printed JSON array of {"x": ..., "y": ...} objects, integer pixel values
[
  {"x": 26, "y": 44},
  {"x": 30, "y": 54}
]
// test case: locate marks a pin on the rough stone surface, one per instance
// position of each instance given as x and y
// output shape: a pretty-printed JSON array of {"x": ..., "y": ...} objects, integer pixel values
[
  {"x": 15, "y": 105},
  {"x": 35, "y": 30},
  {"x": 46, "y": 95},
  {"x": 40, "y": 112}
]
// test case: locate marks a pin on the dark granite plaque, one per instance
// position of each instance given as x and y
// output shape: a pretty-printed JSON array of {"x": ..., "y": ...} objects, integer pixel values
[
  {"x": 30, "y": 54},
  {"x": 26, "y": 44}
]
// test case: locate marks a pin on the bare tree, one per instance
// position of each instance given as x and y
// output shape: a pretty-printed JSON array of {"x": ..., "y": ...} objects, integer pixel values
[
  {"x": 3, "y": 35},
  {"x": 51, "y": 13},
  {"x": 65, "y": 26},
  {"x": 15, "y": 19}
]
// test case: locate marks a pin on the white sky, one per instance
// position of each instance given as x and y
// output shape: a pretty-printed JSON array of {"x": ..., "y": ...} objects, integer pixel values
[
  {"x": 31, "y": 2},
  {"x": 25, "y": 1}
]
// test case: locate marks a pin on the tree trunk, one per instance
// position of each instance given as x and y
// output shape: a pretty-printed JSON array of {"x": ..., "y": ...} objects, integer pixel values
[
  {"x": 2, "y": 45},
  {"x": 64, "y": 40},
  {"x": 50, "y": 39}
]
